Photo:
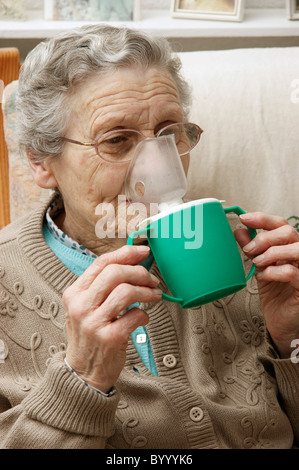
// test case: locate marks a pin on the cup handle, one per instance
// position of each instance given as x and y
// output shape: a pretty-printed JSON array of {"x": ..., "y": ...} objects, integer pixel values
[
  {"x": 137, "y": 233},
  {"x": 238, "y": 211},
  {"x": 130, "y": 242}
]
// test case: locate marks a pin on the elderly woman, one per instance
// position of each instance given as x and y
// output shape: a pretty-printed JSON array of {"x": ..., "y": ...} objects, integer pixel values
[{"x": 94, "y": 357}]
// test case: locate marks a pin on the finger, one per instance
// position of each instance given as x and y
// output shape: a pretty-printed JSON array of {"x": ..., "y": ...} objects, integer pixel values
[
  {"x": 125, "y": 255},
  {"x": 261, "y": 220},
  {"x": 284, "y": 273},
  {"x": 264, "y": 240},
  {"x": 132, "y": 320},
  {"x": 101, "y": 349},
  {"x": 242, "y": 236},
  {"x": 294, "y": 263},
  {"x": 122, "y": 297},
  {"x": 278, "y": 255},
  {"x": 114, "y": 275}
]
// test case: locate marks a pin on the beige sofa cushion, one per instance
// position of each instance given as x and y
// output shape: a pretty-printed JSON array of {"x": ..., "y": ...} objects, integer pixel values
[{"x": 246, "y": 101}]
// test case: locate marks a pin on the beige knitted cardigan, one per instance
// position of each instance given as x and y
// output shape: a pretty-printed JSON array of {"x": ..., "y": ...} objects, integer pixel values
[{"x": 220, "y": 384}]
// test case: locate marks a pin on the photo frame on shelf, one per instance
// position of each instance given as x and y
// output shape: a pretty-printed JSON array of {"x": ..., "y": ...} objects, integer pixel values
[
  {"x": 221, "y": 10},
  {"x": 293, "y": 9},
  {"x": 92, "y": 10},
  {"x": 12, "y": 10}
]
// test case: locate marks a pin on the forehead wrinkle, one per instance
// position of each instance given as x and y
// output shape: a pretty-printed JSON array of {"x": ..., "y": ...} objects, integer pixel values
[
  {"x": 126, "y": 97},
  {"x": 114, "y": 95},
  {"x": 145, "y": 86},
  {"x": 145, "y": 117}
]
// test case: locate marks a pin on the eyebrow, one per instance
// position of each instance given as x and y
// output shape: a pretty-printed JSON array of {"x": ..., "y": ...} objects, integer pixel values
[
  {"x": 108, "y": 125},
  {"x": 121, "y": 120}
]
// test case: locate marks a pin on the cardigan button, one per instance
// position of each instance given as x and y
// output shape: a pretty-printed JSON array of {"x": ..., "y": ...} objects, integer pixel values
[
  {"x": 196, "y": 414},
  {"x": 169, "y": 361}
]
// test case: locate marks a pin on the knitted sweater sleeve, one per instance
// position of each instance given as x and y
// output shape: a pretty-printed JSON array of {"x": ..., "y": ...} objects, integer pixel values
[
  {"x": 42, "y": 404},
  {"x": 60, "y": 412},
  {"x": 285, "y": 372},
  {"x": 287, "y": 378}
]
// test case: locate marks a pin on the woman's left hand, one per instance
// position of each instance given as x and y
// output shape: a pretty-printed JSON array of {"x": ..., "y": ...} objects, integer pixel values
[{"x": 275, "y": 252}]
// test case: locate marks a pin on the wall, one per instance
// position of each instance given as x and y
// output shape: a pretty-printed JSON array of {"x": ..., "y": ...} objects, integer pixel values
[
  {"x": 35, "y": 12},
  {"x": 164, "y": 4},
  {"x": 35, "y": 7}
]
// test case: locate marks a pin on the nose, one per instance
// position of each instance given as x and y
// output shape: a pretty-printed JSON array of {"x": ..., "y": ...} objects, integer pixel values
[
  {"x": 156, "y": 173},
  {"x": 149, "y": 134}
]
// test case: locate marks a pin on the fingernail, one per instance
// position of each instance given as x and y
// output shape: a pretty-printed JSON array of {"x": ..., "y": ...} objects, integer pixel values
[
  {"x": 246, "y": 216},
  {"x": 259, "y": 259},
  {"x": 154, "y": 279},
  {"x": 157, "y": 291},
  {"x": 250, "y": 247},
  {"x": 142, "y": 248}
]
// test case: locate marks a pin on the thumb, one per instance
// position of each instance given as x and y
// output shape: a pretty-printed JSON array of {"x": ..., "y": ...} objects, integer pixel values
[{"x": 242, "y": 236}]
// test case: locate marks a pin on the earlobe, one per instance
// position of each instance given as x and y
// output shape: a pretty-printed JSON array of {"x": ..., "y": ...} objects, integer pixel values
[{"x": 42, "y": 173}]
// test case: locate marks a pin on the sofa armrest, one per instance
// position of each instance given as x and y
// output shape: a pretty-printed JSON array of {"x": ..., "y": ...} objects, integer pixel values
[
  {"x": 24, "y": 192},
  {"x": 9, "y": 71}
]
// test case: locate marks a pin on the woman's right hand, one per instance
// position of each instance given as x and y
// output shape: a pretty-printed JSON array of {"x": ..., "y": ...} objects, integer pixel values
[{"x": 97, "y": 335}]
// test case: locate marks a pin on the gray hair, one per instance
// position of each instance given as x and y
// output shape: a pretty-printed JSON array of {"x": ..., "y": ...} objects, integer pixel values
[{"x": 52, "y": 70}]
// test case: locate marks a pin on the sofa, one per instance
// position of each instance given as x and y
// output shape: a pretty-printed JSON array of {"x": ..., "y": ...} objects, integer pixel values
[{"x": 247, "y": 102}]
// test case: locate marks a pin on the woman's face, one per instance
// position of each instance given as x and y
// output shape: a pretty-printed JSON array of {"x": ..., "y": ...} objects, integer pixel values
[{"x": 144, "y": 100}]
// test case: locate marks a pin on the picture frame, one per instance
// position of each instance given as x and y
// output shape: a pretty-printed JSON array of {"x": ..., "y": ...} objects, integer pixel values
[
  {"x": 293, "y": 9},
  {"x": 12, "y": 10},
  {"x": 92, "y": 10},
  {"x": 220, "y": 10}
]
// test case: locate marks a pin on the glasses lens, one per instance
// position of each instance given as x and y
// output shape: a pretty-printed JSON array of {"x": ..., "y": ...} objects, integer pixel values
[
  {"x": 118, "y": 145},
  {"x": 186, "y": 136}
]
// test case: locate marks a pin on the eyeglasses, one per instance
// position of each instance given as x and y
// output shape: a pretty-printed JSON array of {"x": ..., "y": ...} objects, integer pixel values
[{"x": 118, "y": 146}]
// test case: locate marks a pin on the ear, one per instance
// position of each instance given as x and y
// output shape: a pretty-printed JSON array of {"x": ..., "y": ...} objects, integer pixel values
[{"x": 42, "y": 172}]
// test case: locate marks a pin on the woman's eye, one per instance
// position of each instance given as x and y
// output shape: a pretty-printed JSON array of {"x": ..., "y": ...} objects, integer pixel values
[{"x": 115, "y": 140}]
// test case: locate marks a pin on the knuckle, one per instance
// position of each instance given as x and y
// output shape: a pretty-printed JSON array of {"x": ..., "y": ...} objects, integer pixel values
[
  {"x": 291, "y": 271},
  {"x": 126, "y": 252},
  {"x": 261, "y": 238},
  {"x": 68, "y": 298},
  {"x": 279, "y": 221},
  {"x": 290, "y": 231},
  {"x": 295, "y": 235},
  {"x": 102, "y": 261},
  {"x": 284, "y": 221},
  {"x": 124, "y": 292},
  {"x": 127, "y": 249},
  {"x": 260, "y": 215},
  {"x": 271, "y": 253},
  {"x": 87, "y": 328},
  {"x": 75, "y": 310},
  {"x": 141, "y": 271},
  {"x": 112, "y": 271},
  {"x": 118, "y": 337}
]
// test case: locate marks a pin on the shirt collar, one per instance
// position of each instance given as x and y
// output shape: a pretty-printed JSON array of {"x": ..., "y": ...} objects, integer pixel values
[{"x": 53, "y": 211}]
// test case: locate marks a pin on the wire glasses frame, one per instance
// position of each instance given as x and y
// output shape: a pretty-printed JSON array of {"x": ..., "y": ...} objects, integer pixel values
[{"x": 118, "y": 146}]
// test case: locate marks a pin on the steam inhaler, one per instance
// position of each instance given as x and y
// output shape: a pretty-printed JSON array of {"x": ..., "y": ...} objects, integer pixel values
[{"x": 156, "y": 174}]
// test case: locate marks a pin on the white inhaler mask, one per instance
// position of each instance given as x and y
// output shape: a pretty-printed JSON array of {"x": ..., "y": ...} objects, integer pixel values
[{"x": 156, "y": 174}]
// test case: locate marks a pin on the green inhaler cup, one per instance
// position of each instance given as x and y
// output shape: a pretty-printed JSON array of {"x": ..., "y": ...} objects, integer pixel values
[{"x": 196, "y": 252}]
